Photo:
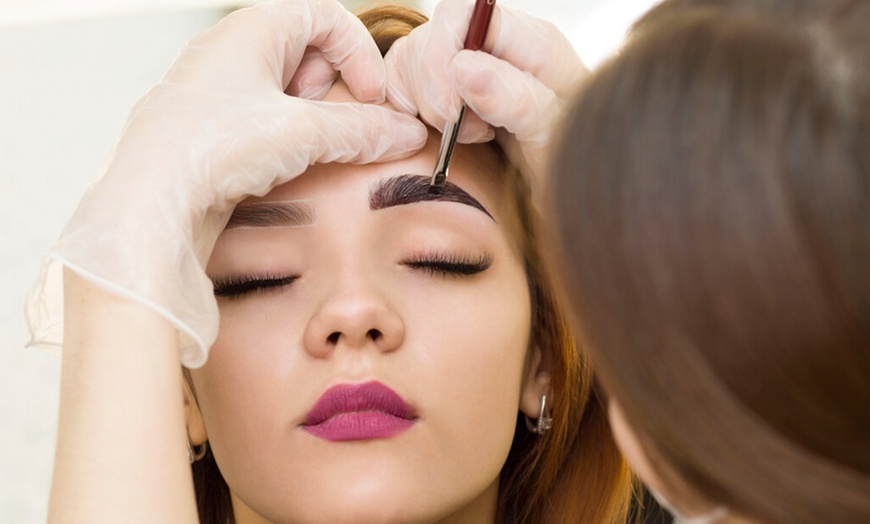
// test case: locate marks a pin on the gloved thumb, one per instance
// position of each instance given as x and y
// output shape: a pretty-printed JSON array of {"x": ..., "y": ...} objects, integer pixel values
[{"x": 313, "y": 78}]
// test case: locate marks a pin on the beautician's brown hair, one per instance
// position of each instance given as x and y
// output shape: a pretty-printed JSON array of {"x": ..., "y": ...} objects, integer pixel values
[
  {"x": 710, "y": 205},
  {"x": 573, "y": 473}
]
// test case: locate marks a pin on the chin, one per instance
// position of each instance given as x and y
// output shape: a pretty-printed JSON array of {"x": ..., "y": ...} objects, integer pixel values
[
  {"x": 357, "y": 497},
  {"x": 374, "y": 497},
  {"x": 374, "y": 514},
  {"x": 352, "y": 510}
]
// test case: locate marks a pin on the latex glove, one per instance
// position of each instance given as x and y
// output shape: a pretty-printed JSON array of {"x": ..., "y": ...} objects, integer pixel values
[
  {"x": 518, "y": 85},
  {"x": 217, "y": 128}
]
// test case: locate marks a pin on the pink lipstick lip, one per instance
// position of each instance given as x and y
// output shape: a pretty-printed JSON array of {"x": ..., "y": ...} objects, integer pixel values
[{"x": 359, "y": 412}]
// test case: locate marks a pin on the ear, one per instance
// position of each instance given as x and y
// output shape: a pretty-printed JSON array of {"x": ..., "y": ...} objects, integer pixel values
[
  {"x": 196, "y": 431},
  {"x": 536, "y": 383}
]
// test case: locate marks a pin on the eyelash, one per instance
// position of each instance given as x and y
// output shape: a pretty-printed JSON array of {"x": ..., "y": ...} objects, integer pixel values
[
  {"x": 236, "y": 286},
  {"x": 436, "y": 264},
  {"x": 447, "y": 264}
]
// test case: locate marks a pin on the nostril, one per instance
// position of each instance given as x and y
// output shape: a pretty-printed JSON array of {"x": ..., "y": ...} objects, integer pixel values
[{"x": 373, "y": 335}]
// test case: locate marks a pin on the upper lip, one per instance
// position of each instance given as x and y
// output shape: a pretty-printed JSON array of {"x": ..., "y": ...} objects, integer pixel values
[{"x": 350, "y": 398}]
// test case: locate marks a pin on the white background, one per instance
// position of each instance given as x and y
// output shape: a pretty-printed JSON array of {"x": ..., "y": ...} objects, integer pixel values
[{"x": 69, "y": 72}]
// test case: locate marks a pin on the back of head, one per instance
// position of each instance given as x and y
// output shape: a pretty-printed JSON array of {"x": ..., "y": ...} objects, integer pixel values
[{"x": 713, "y": 216}]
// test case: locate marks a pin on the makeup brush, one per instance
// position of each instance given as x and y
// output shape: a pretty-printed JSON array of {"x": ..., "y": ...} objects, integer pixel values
[{"x": 477, "y": 28}]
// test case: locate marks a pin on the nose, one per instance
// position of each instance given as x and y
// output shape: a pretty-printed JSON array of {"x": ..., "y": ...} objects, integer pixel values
[{"x": 354, "y": 319}]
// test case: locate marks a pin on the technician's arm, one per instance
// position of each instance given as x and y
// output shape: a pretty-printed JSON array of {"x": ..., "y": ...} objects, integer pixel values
[{"x": 120, "y": 451}]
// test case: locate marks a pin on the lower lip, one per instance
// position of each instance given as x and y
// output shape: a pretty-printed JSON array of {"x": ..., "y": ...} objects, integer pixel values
[{"x": 362, "y": 425}]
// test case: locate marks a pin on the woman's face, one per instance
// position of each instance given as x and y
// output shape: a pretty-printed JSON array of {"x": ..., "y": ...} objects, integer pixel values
[{"x": 373, "y": 345}]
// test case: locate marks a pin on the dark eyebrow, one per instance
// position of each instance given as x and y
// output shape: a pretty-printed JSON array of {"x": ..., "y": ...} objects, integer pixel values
[
  {"x": 410, "y": 189},
  {"x": 272, "y": 214}
]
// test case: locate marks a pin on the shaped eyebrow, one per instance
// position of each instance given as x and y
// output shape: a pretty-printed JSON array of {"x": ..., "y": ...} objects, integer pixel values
[
  {"x": 290, "y": 213},
  {"x": 411, "y": 189}
]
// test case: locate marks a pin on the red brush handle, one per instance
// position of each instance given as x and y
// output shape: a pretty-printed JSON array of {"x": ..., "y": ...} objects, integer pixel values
[{"x": 479, "y": 24}]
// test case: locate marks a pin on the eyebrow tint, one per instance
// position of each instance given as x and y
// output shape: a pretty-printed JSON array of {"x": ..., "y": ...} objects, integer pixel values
[{"x": 410, "y": 189}]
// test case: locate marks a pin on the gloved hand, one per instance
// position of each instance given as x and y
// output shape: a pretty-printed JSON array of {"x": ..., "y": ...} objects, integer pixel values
[
  {"x": 518, "y": 85},
  {"x": 217, "y": 128}
]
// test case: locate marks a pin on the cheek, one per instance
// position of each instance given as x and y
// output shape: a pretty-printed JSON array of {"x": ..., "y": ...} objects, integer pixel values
[
  {"x": 475, "y": 349},
  {"x": 480, "y": 343},
  {"x": 478, "y": 383},
  {"x": 247, "y": 377}
]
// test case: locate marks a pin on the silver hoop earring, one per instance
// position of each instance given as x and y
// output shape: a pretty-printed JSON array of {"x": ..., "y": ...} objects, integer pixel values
[
  {"x": 544, "y": 422},
  {"x": 194, "y": 455}
]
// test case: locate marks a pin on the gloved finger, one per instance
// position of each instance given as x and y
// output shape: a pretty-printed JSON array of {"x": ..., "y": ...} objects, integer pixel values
[
  {"x": 358, "y": 133},
  {"x": 314, "y": 76},
  {"x": 399, "y": 80},
  {"x": 473, "y": 130},
  {"x": 347, "y": 44},
  {"x": 512, "y": 100},
  {"x": 341, "y": 132},
  {"x": 278, "y": 139},
  {"x": 504, "y": 96},
  {"x": 267, "y": 42},
  {"x": 417, "y": 64}
]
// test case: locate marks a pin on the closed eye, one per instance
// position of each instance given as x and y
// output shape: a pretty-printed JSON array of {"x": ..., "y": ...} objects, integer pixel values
[
  {"x": 235, "y": 286},
  {"x": 445, "y": 264}
]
